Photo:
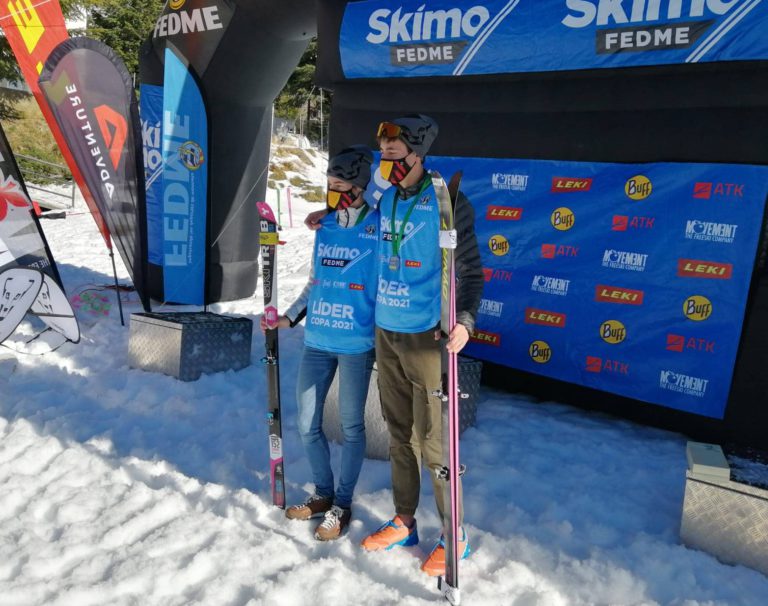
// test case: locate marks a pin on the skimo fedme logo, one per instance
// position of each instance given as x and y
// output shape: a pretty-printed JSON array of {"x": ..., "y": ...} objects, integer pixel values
[
  {"x": 619, "y": 259},
  {"x": 646, "y": 26},
  {"x": 509, "y": 181},
  {"x": 187, "y": 21},
  {"x": 706, "y": 231},
  {"x": 550, "y": 286},
  {"x": 332, "y": 255},
  {"x": 686, "y": 384}
]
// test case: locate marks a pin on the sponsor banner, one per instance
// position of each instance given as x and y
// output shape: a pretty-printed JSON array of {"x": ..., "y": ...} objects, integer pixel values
[
  {"x": 413, "y": 38},
  {"x": 626, "y": 274},
  {"x": 91, "y": 95},
  {"x": 185, "y": 184},
  {"x": 152, "y": 143}
]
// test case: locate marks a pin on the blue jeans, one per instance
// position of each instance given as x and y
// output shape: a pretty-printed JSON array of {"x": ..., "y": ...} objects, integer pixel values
[{"x": 316, "y": 373}]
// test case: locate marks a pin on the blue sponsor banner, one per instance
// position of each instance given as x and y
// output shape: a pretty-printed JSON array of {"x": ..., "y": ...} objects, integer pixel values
[
  {"x": 151, "y": 106},
  {"x": 417, "y": 38},
  {"x": 185, "y": 184},
  {"x": 628, "y": 278}
]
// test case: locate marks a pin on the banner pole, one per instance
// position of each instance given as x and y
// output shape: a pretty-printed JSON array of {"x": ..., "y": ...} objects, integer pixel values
[
  {"x": 117, "y": 287},
  {"x": 279, "y": 211},
  {"x": 290, "y": 210}
]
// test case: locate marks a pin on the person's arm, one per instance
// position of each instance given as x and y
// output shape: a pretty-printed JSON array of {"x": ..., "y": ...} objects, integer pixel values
[
  {"x": 469, "y": 267},
  {"x": 297, "y": 311}
]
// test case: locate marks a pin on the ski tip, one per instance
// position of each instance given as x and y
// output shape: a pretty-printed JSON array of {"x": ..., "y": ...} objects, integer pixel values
[{"x": 265, "y": 211}]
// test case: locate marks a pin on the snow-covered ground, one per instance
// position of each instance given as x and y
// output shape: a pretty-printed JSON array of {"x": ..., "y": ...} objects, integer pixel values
[{"x": 124, "y": 487}]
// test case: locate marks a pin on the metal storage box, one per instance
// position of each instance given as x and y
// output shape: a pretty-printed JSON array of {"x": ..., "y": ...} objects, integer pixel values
[{"x": 188, "y": 344}]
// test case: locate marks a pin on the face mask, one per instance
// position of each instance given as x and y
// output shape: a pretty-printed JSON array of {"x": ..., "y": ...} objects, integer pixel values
[
  {"x": 340, "y": 199},
  {"x": 395, "y": 171}
]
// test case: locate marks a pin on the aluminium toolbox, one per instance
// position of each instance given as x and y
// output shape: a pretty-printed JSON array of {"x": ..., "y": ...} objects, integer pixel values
[{"x": 188, "y": 344}]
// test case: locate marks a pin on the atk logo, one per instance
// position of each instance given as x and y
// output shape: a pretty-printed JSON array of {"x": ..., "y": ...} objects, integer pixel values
[
  {"x": 697, "y": 308},
  {"x": 613, "y": 332},
  {"x": 503, "y": 213},
  {"x": 540, "y": 352},
  {"x": 550, "y": 286},
  {"x": 542, "y": 317},
  {"x": 620, "y": 259},
  {"x": 693, "y": 268},
  {"x": 686, "y": 384},
  {"x": 551, "y": 251},
  {"x": 625, "y": 222},
  {"x": 486, "y": 338},
  {"x": 616, "y": 294},
  {"x": 638, "y": 187},
  {"x": 499, "y": 245},
  {"x": 681, "y": 343},
  {"x": 489, "y": 307},
  {"x": 501, "y": 275},
  {"x": 570, "y": 184},
  {"x": 707, "y": 231},
  {"x": 704, "y": 190},
  {"x": 563, "y": 219},
  {"x": 599, "y": 365},
  {"x": 509, "y": 181}
]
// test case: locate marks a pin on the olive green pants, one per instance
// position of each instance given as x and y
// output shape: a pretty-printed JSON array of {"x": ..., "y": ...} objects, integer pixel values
[{"x": 409, "y": 372}]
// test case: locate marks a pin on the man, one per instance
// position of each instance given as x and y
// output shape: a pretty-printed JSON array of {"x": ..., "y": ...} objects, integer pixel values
[{"x": 407, "y": 324}]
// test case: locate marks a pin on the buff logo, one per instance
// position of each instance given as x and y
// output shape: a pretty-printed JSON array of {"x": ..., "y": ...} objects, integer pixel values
[
  {"x": 619, "y": 259},
  {"x": 706, "y": 231},
  {"x": 563, "y": 219},
  {"x": 639, "y": 25},
  {"x": 499, "y": 245},
  {"x": 489, "y": 307},
  {"x": 187, "y": 22},
  {"x": 550, "y": 286},
  {"x": 613, "y": 332},
  {"x": 686, "y": 384},
  {"x": 638, "y": 187},
  {"x": 697, "y": 308},
  {"x": 509, "y": 181},
  {"x": 540, "y": 352}
]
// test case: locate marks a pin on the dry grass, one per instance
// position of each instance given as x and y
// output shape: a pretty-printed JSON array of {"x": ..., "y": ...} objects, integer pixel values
[{"x": 314, "y": 193}]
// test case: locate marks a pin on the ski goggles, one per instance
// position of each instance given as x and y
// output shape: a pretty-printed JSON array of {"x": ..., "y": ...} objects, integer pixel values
[
  {"x": 339, "y": 199},
  {"x": 389, "y": 130}
]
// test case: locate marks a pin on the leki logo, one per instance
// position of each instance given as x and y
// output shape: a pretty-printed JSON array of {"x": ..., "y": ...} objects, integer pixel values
[
  {"x": 550, "y": 251},
  {"x": 486, "y": 338},
  {"x": 697, "y": 308},
  {"x": 563, "y": 219},
  {"x": 638, "y": 187},
  {"x": 704, "y": 190},
  {"x": 615, "y": 294},
  {"x": 411, "y": 263},
  {"x": 353, "y": 286},
  {"x": 542, "y": 317},
  {"x": 540, "y": 352},
  {"x": 499, "y": 245},
  {"x": 569, "y": 184},
  {"x": 613, "y": 332},
  {"x": 503, "y": 213},
  {"x": 114, "y": 129},
  {"x": 692, "y": 268},
  {"x": 624, "y": 222},
  {"x": 598, "y": 365},
  {"x": 680, "y": 343}
]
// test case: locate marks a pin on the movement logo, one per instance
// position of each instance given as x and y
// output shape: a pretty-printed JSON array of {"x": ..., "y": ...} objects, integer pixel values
[
  {"x": 550, "y": 251},
  {"x": 486, "y": 338},
  {"x": 503, "y": 213},
  {"x": 540, "y": 352},
  {"x": 509, "y": 181},
  {"x": 496, "y": 274},
  {"x": 704, "y": 190},
  {"x": 568, "y": 184},
  {"x": 563, "y": 219},
  {"x": 615, "y": 294},
  {"x": 619, "y": 259},
  {"x": 623, "y": 223},
  {"x": 489, "y": 307},
  {"x": 613, "y": 332},
  {"x": 686, "y": 384},
  {"x": 598, "y": 365},
  {"x": 707, "y": 231},
  {"x": 680, "y": 343},
  {"x": 550, "y": 286},
  {"x": 691, "y": 268},
  {"x": 499, "y": 245},
  {"x": 638, "y": 187},
  {"x": 544, "y": 318},
  {"x": 697, "y": 308}
]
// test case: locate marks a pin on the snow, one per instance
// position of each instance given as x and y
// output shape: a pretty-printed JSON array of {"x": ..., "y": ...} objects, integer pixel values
[{"x": 123, "y": 487}]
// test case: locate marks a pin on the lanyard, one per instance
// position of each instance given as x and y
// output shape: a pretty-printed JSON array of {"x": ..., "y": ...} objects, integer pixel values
[
  {"x": 362, "y": 215},
  {"x": 397, "y": 237}
]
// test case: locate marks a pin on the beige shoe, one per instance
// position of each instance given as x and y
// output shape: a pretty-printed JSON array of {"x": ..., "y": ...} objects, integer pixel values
[
  {"x": 313, "y": 507},
  {"x": 334, "y": 524}
]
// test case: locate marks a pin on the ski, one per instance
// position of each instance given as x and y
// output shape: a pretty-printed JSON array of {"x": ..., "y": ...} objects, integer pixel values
[
  {"x": 268, "y": 240},
  {"x": 449, "y": 394}
]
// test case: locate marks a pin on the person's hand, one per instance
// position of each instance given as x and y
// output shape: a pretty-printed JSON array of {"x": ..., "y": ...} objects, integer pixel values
[
  {"x": 313, "y": 219},
  {"x": 282, "y": 322},
  {"x": 457, "y": 339}
]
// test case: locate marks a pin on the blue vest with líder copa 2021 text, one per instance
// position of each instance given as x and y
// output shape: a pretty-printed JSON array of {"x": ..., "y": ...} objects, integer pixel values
[
  {"x": 340, "y": 310},
  {"x": 408, "y": 297}
]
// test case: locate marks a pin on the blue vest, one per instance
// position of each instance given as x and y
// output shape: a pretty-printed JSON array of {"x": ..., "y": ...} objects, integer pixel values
[
  {"x": 408, "y": 297},
  {"x": 340, "y": 310}
]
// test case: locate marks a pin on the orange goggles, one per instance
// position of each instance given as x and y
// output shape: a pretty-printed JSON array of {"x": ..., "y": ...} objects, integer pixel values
[{"x": 388, "y": 130}]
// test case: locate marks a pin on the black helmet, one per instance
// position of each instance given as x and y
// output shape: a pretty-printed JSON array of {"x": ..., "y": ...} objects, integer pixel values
[{"x": 352, "y": 164}]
